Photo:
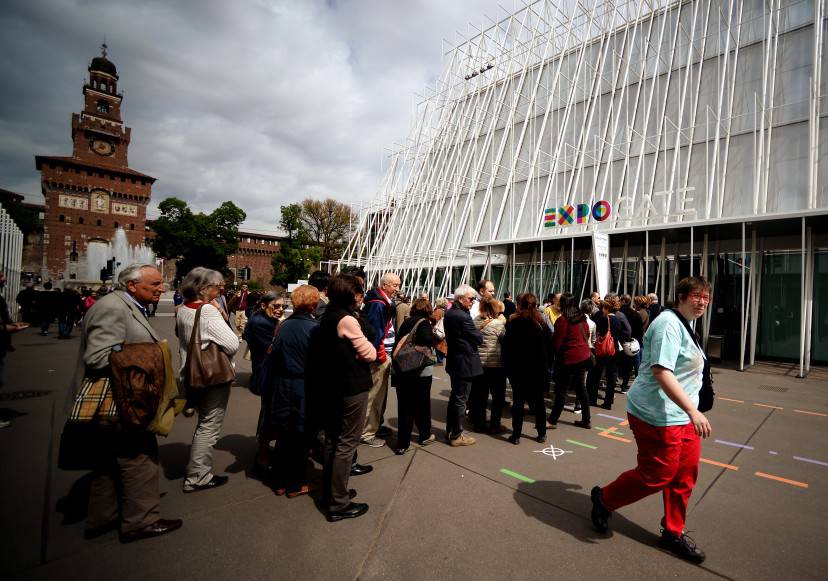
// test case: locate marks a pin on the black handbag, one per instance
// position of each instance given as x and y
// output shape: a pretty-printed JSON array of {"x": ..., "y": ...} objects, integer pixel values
[
  {"x": 408, "y": 357},
  {"x": 86, "y": 445}
]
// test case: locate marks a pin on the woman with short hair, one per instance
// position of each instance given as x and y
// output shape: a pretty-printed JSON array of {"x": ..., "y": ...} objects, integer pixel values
[
  {"x": 414, "y": 388},
  {"x": 287, "y": 408},
  {"x": 200, "y": 288},
  {"x": 260, "y": 334},
  {"x": 339, "y": 358},
  {"x": 527, "y": 353},
  {"x": 662, "y": 409},
  {"x": 491, "y": 323}
]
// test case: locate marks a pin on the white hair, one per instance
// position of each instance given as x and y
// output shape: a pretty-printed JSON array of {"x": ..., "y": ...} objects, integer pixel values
[
  {"x": 388, "y": 277},
  {"x": 465, "y": 290},
  {"x": 653, "y": 297},
  {"x": 132, "y": 273}
]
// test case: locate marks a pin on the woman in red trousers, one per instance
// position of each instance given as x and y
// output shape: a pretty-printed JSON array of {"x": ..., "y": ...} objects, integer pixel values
[{"x": 668, "y": 427}]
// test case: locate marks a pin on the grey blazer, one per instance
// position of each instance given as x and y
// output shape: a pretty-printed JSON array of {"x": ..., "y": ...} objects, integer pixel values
[{"x": 112, "y": 320}]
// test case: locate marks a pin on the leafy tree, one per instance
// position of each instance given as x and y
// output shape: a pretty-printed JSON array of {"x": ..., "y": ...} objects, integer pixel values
[
  {"x": 327, "y": 224},
  {"x": 197, "y": 239},
  {"x": 297, "y": 256}
]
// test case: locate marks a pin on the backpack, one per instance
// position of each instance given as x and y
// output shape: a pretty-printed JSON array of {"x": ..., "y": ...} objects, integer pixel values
[{"x": 605, "y": 346}]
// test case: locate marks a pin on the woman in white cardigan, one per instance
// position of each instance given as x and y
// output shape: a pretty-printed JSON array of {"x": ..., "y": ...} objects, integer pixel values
[{"x": 200, "y": 288}]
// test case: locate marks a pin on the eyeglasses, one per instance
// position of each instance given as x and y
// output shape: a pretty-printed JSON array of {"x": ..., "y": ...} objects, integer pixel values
[{"x": 699, "y": 297}]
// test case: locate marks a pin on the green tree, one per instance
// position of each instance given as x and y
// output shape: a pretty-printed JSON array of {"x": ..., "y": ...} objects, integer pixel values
[
  {"x": 197, "y": 239},
  {"x": 327, "y": 225},
  {"x": 297, "y": 256}
]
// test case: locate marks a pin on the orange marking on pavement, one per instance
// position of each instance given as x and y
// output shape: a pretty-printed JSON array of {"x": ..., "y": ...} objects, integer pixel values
[
  {"x": 719, "y": 464},
  {"x": 780, "y": 479},
  {"x": 733, "y": 400},
  {"x": 811, "y": 413},
  {"x": 764, "y": 405},
  {"x": 624, "y": 423},
  {"x": 611, "y": 437}
]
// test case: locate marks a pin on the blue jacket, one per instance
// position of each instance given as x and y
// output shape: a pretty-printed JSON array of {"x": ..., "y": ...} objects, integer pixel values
[
  {"x": 463, "y": 339},
  {"x": 290, "y": 354},
  {"x": 378, "y": 313}
]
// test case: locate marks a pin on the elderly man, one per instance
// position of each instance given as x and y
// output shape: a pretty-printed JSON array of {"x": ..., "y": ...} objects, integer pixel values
[
  {"x": 485, "y": 290},
  {"x": 124, "y": 491},
  {"x": 380, "y": 311},
  {"x": 463, "y": 365},
  {"x": 654, "y": 309}
]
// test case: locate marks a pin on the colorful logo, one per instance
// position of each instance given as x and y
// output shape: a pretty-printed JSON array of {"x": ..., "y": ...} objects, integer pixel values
[{"x": 569, "y": 214}]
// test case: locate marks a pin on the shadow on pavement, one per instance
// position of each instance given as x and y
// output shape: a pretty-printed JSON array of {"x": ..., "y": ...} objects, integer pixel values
[
  {"x": 243, "y": 449},
  {"x": 173, "y": 459},
  {"x": 562, "y": 501},
  {"x": 75, "y": 504}
]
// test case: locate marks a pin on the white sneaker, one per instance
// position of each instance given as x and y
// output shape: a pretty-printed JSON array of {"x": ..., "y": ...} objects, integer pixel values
[
  {"x": 374, "y": 442},
  {"x": 5, "y": 423},
  {"x": 430, "y": 440}
]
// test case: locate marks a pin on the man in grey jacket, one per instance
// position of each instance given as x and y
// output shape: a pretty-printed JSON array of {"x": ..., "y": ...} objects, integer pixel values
[{"x": 124, "y": 492}]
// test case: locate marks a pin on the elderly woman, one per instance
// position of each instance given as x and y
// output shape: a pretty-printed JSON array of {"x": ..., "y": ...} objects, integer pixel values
[
  {"x": 527, "y": 354},
  {"x": 287, "y": 408},
  {"x": 340, "y": 381},
  {"x": 200, "y": 288},
  {"x": 665, "y": 420},
  {"x": 414, "y": 388},
  {"x": 491, "y": 323},
  {"x": 260, "y": 334}
]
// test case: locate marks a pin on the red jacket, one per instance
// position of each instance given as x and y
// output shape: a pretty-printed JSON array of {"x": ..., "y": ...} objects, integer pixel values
[{"x": 571, "y": 342}]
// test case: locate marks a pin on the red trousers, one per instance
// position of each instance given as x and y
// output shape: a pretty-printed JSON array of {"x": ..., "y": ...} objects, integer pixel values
[{"x": 668, "y": 461}]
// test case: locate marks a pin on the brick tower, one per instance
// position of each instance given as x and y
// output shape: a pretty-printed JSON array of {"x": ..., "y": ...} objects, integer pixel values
[{"x": 94, "y": 192}]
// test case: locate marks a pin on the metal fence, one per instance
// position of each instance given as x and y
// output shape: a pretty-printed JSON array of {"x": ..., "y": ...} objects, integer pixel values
[{"x": 11, "y": 257}]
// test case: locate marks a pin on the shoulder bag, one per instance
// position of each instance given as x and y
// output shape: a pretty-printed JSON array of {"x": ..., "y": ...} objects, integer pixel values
[
  {"x": 605, "y": 346},
  {"x": 206, "y": 367},
  {"x": 255, "y": 385},
  {"x": 408, "y": 357}
]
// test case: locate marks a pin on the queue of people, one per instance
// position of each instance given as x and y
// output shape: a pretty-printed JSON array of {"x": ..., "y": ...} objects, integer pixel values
[{"x": 323, "y": 373}]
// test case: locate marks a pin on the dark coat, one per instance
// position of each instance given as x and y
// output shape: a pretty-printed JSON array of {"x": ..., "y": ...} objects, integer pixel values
[
  {"x": 259, "y": 333},
  {"x": 380, "y": 314},
  {"x": 527, "y": 351},
  {"x": 463, "y": 339},
  {"x": 290, "y": 354}
]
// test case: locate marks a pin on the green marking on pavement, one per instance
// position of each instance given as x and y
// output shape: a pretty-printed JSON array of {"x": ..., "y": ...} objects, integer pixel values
[
  {"x": 577, "y": 443},
  {"x": 516, "y": 475}
]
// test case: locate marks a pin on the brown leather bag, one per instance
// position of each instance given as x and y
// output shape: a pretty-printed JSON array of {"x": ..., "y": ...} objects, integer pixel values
[
  {"x": 206, "y": 367},
  {"x": 137, "y": 381}
]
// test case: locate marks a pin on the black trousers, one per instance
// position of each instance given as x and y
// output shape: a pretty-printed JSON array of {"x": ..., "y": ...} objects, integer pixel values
[
  {"x": 343, "y": 430},
  {"x": 531, "y": 392},
  {"x": 456, "y": 410},
  {"x": 604, "y": 365},
  {"x": 493, "y": 381},
  {"x": 291, "y": 461},
  {"x": 413, "y": 407},
  {"x": 571, "y": 378}
]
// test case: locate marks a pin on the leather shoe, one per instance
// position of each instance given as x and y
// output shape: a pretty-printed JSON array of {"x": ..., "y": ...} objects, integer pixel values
[
  {"x": 514, "y": 440},
  {"x": 360, "y": 469},
  {"x": 156, "y": 529},
  {"x": 353, "y": 510},
  {"x": 215, "y": 482}
]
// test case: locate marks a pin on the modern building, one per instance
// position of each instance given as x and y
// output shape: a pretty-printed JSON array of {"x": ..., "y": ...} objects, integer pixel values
[
  {"x": 684, "y": 137},
  {"x": 92, "y": 193}
]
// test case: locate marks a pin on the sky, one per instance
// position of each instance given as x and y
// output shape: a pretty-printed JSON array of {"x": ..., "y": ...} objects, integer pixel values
[{"x": 262, "y": 102}]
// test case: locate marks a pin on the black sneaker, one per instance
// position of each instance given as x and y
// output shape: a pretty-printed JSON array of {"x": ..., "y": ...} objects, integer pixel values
[
  {"x": 682, "y": 546},
  {"x": 600, "y": 515}
]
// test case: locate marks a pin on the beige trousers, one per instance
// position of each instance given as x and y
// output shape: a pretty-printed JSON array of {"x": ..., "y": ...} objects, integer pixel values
[{"x": 380, "y": 374}]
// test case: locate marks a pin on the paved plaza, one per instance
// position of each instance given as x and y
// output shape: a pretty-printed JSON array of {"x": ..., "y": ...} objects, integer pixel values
[{"x": 490, "y": 511}]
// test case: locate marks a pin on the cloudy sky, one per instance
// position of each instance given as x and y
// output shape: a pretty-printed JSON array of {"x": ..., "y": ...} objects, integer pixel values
[{"x": 263, "y": 102}]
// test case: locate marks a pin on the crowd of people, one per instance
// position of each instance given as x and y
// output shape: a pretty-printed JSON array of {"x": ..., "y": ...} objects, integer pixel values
[{"x": 323, "y": 375}]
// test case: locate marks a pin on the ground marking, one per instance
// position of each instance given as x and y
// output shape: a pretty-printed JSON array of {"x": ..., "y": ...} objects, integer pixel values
[
  {"x": 611, "y": 437},
  {"x": 719, "y": 464},
  {"x": 624, "y": 423},
  {"x": 764, "y": 405},
  {"x": 811, "y": 460},
  {"x": 729, "y": 399},
  {"x": 517, "y": 475},
  {"x": 811, "y": 413},
  {"x": 610, "y": 417},
  {"x": 577, "y": 443},
  {"x": 780, "y": 479},
  {"x": 773, "y": 453},
  {"x": 734, "y": 444},
  {"x": 551, "y": 450}
]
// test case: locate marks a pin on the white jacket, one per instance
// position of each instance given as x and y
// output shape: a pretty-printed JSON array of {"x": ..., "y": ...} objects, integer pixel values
[{"x": 212, "y": 328}]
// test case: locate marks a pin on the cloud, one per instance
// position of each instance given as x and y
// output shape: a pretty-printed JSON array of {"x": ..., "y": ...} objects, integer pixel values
[{"x": 261, "y": 102}]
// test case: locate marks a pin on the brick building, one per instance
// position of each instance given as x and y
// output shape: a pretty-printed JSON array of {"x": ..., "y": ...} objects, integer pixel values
[
  {"x": 94, "y": 192},
  {"x": 253, "y": 259}
]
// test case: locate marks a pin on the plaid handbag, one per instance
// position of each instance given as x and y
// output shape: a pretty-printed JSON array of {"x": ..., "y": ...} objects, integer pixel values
[
  {"x": 94, "y": 400},
  {"x": 87, "y": 439}
]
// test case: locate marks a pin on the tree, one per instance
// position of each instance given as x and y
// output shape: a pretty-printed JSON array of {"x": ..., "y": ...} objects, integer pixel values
[
  {"x": 197, "y": 239},
  {"x": 327, "y": 224},
  {"x": 297, "y": 256}
]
